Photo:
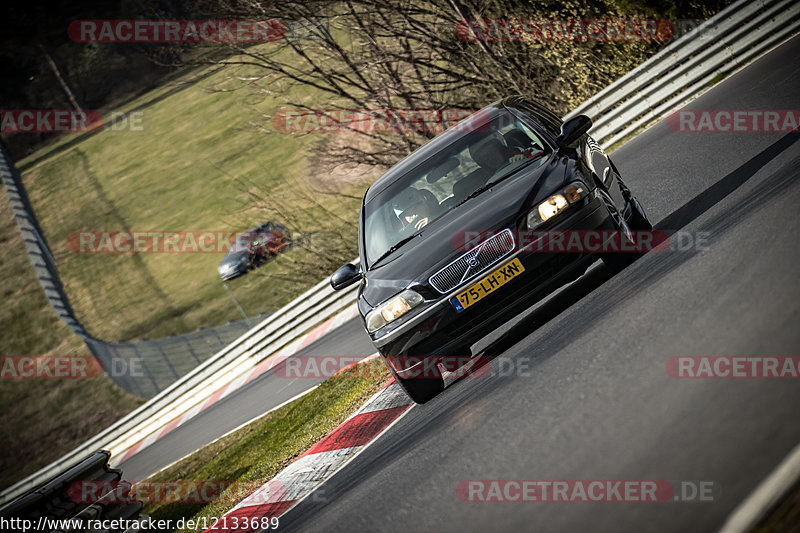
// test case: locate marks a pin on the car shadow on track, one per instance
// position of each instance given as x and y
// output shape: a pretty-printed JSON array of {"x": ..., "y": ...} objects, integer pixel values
[{"x": 715, "y": 193}]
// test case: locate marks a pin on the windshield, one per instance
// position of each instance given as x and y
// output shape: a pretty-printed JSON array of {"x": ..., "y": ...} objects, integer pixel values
[
  {"x": 462, "y": 170},
  {"x": 246, "y": 241}
]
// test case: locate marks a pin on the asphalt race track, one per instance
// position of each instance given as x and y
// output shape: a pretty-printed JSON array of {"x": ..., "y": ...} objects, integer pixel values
[
  {"x": 588, "y": 396},
  {"x": 595, "y": 401}
]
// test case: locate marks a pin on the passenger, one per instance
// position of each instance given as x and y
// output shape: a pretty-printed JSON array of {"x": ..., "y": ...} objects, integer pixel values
[{"x": 493, "y": 155}]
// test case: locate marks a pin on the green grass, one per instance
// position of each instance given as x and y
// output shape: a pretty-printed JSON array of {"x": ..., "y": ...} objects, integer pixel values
[
  {"x": 718, "y": 78},
  {"x": 257, "y": 452},
  {"x": 197, "y": 165},
  {"x": 40, "y": 419}
]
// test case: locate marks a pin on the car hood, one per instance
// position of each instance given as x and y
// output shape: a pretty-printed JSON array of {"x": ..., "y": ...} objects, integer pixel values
[{"x": 495, "y": 209}]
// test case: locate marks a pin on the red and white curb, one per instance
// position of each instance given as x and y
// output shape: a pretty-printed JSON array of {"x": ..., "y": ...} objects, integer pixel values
[
  {"x": 318, "y": 463},
  {"x": 267, "y": 364}
]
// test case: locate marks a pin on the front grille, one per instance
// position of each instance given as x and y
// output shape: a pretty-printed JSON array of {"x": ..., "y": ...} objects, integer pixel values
[{"x": 482, "y": 257}]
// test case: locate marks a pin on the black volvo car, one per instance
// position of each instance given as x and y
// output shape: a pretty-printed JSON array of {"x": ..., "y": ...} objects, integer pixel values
[{"x": 450, "y": 238}]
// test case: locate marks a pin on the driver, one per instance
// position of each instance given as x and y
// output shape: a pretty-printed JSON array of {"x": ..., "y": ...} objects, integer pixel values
[
  {"x": 416, "y": 210},
  {"x": 415, "y": 216}
]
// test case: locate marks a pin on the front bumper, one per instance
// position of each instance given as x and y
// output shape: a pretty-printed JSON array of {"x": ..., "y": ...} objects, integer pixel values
[{"x": 437, "y": 330}]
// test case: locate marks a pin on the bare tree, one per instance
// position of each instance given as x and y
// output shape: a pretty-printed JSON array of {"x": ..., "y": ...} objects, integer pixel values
[
  {"x": 395, "y": 56},
  {"x": 57, "y": 73},
  {"x": 386, "y": 60}
]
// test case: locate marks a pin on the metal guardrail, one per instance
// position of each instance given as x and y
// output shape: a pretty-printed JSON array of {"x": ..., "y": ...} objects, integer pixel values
[
  {"x": 315, "y": 305},
  {"x": 157, "y": 362},
  {"x": 146, "y": 367},
  {"x": 658, "y": 86},
  {"x": 51, "y": 505},
  {"x": 676, "y": 74}
]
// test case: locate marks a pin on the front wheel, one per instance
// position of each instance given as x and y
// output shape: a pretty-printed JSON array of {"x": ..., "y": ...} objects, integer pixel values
[{"x": 421, "y": 389}]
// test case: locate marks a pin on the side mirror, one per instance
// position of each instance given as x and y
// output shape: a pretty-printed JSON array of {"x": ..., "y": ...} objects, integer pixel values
[
  {"x": 572, "y": 129},
  {"x": 345, "y": 276}
]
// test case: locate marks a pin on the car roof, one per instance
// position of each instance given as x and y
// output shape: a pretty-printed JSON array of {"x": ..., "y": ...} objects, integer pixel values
[{"x": 531, "y": 107}]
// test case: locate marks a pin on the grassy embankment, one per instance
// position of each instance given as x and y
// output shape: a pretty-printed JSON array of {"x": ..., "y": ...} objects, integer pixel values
[{"x": 197, "y": 164}]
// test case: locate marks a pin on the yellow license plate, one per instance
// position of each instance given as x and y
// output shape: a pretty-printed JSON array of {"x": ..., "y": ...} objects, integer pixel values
[{"x": 487, "y": 284}]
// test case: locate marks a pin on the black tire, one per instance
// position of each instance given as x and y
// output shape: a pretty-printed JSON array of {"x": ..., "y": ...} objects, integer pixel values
[
  {"x": 422, "y": 389},
  {"x": 638, "y": 220},
  {"x": 618, "y": 260}
]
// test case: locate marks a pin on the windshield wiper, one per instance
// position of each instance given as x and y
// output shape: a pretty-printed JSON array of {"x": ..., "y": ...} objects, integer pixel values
[
  {"x": 492, "y": 183},
  {"x": 397, "y": 246},
  {"x": 475, "y": 193}
]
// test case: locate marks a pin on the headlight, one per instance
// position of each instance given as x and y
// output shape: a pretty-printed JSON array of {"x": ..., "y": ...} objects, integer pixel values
[
  {"x": 392, "y": 309},
  {"x": 546, "y": 210},
  {"x": 550, "y": 207}
]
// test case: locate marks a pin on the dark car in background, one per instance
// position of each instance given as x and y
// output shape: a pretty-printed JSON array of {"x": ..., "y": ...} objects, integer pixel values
[
  {"x": 511, "y": 168},
  {"x": 252, "y": 248}
]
